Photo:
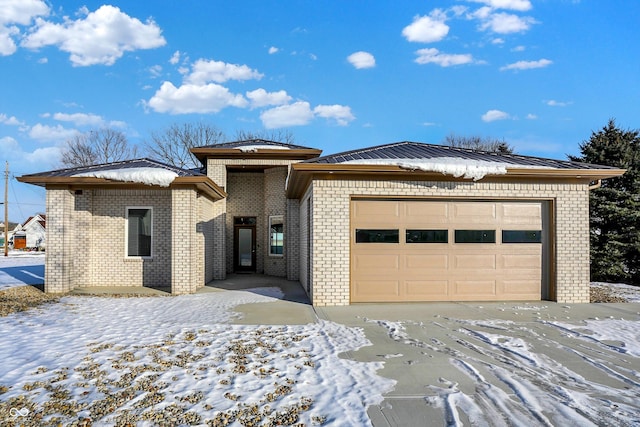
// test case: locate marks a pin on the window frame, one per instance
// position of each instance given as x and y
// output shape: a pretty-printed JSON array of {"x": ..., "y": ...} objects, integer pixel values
[
  {"x": 511, "y": 240},
  {"x": 457, "y": 238},
  {"x": 434, "y": 232},
  {"x": 273, "y": 218},
  {"x": 126, "y": 233}
]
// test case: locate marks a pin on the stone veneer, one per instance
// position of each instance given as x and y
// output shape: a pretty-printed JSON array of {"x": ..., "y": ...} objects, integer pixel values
[{"x": 329, "y": 202}]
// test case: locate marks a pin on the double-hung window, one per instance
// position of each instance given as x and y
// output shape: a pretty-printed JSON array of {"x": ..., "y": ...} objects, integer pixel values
[{"x": 139, "y": 232}]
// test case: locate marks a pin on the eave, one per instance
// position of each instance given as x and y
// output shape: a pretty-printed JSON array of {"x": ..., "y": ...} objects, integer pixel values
[
  {"x": 202, "y": 183},
  {"x": 263, "y": 153},
  {"x": 303, "y": 173}
]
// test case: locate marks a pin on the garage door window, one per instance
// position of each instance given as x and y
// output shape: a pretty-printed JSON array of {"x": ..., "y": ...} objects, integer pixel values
[
  {"x": 427, "y": 236},
  {"x": 475, "y": 236},
  {"x": 377, "y": 236},
  {"x": 521, "y": 236}
]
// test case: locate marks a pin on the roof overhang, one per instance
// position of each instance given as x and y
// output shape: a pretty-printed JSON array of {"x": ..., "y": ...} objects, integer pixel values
[
  {"x": 303, "y": 173},
  {"x": 202, "y": 153},
  {"x": 202, "y": 184}
]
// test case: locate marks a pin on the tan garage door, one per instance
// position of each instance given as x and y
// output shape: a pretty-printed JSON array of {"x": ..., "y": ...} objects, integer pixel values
[{"x": 445, "y": 250}]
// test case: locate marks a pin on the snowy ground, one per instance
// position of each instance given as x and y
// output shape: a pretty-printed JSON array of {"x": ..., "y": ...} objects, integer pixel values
[
  {"x": 181, "y": 360},
  {"x": 21, "y": 268}
]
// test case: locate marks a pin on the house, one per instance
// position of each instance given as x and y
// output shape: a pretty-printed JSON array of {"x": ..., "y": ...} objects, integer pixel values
[
  {"x": 30, "y": 234},
  {"x": 399, "y": 222}
]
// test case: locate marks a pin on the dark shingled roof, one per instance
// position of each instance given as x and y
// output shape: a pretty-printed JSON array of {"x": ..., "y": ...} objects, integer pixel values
[
  {"x": 239, "y": 144},
  {"x": 125, "y": 164},
  {"x": 419, "y": 151}
]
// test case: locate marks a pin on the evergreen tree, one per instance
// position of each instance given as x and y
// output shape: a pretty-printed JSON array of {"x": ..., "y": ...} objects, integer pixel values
[{"x": 615, "y": 206}]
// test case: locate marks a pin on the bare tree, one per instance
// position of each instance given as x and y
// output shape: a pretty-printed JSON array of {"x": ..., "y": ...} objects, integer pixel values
[
  {"x": 173, "y": 145},
  {"x": 97, "y": 146},
  {"x": 479, "y": 143},
  {"x": 278, "y": 135}
]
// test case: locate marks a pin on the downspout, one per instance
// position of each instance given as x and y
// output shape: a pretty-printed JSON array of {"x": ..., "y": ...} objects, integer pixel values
[{"x": 596, "y": 185}]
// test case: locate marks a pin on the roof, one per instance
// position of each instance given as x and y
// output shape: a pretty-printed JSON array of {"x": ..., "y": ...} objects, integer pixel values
[
  {"x": 421, "y": 151},
  {"x": 255, "y": 149},
  {"x": 125, "y": 164},
  {"x": 137, "y": 172},
  {"x": 420, "y": 161}
]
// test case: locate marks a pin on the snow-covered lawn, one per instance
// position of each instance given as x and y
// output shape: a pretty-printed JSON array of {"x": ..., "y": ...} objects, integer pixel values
[{"x": 183, "y": 361}]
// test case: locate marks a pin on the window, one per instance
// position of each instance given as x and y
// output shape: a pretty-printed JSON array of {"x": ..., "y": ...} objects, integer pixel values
[
  {"x": 276, "y": 235},
  {"x": 427, "y": 236},
  {"x": 139, "y": 230},
  {"x": 475, "y": 236},
  {"x": 521, "y": 236},
  {"x": 377, "y": 236}
]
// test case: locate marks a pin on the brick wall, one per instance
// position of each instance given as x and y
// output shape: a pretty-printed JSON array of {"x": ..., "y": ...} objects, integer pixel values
[
  {"x": 185, "y": 277},
  {"x": 330, "y": 256},
  {"x": 109, "y": 265},
  {"x": 60, "y": 236},
  {"x": 275, "y": 203}
]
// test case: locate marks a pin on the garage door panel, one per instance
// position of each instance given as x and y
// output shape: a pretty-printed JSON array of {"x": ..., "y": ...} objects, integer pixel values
[
  {"x": 376, "y": 290},
  {"x": 473, "y": 288},
  {"x": 371, "y": 262},
  {"x": 426, "y": 213},
  {"x": 426, "y": 261},
  {"x": 427, "y": 289},
  {"x": 475, "y": 261},
  {"x": 425, "y": 268},
  {"x": 522, "y": 287},
  {"x": 474, "y": 213}
]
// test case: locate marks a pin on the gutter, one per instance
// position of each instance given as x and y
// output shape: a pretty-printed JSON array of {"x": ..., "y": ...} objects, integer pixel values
[{"x": 597, "y": 184}]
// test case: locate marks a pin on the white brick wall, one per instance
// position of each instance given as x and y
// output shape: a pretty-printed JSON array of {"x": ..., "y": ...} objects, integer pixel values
[{"x": 330, "y": 224}]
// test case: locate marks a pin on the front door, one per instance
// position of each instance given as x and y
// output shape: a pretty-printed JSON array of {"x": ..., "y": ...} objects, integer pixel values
[{"x": 244, "y": 247}]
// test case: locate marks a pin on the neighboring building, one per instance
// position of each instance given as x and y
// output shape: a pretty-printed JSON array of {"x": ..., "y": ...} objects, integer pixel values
[
  {"x": 398, "y": 222},
  {"x": 31, "y": 234}
]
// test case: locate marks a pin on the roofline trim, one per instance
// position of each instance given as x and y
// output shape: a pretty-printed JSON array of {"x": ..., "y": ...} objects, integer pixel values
[{"x": 262, "y": 153}]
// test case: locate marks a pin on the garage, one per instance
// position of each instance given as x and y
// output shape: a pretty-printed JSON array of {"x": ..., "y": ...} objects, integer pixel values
[{"x": 448, "y": 250}]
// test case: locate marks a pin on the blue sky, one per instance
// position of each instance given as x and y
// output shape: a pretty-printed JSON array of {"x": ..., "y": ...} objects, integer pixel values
[{"x": 337, "y": 75}]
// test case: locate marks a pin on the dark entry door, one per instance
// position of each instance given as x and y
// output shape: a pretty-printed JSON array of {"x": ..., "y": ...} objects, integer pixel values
[{"x": 244, "y": 244}]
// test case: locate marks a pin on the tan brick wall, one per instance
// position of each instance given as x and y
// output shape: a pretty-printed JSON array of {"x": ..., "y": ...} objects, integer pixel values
[
  {"x": 246, "y": 198},
  {"x": 331, "y": 228},
  {"x": 60, "y": 237},
  {"x": 275, "y": 203},
  {"x": 292, "y": 239},
  {"x": 205, "y": 239},
  {"x": 109, "y": 265},
  {"x": 185, "y": 276}
]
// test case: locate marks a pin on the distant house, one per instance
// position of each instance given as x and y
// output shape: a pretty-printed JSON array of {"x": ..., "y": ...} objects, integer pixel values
[
  {"x": 31, "y": 234},
  {"x": 393, "y": 223}
]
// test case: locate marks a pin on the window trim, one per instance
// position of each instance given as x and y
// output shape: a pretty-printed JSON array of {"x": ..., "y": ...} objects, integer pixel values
[
  {"x": 126, "y": 233},
  {"x": 281, "y": 219}
]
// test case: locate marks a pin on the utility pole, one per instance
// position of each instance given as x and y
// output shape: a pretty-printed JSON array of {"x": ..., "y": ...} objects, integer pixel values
[{"x": 6, "y": 210}]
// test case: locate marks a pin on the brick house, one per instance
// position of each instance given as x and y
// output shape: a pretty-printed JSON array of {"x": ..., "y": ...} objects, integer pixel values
[{"x": 399, "y": 222}]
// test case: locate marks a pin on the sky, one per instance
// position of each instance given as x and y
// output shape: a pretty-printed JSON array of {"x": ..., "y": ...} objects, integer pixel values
[{"x": 336, "y": 75}]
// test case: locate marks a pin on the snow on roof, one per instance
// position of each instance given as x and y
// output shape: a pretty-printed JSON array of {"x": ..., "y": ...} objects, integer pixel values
[
  {"x": 254, "y": 148},
  {"x": 455, "y": 166},
  {"x": 142, "y": 175}
]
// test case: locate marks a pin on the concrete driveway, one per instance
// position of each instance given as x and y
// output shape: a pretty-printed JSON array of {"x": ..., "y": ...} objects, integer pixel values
[{"x": 539, "y": 363}]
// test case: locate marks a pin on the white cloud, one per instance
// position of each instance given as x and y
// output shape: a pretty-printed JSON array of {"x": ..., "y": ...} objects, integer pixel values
[
  {"x": 40, "y": 156},
  {"x": 9, "y": 145},
  {"x": 80, "y": 119},
  {"x": 497, "y": 40},
  {"x": 554, "y": 103},
  {"x": 273, "y": 50},
  {"x": 296, "y": 114},
  {"x": 434, "y": 56},
  {"x": 493, "y": 115},
  {"x": 11, "y": 121},
  {"x": 101, "y": 37},
  {"x": 527, "y": 65},
  {"x": 427, "y": 29},
  {"x": 262, "y": 98},
  {"x": 19, "y": 12},
  {"x": 531, "y": 116},
  {"x": 155, "y": 71},
  {"x": 520, "y": 5},
  {"x": 340, "y": 113},
  {"x": 191, "y": 98},
  {"x": 204, "y": 71},
  {"x": 361, "y": 60},
  {"x": 518, "y": 49},
  {"x": 506, "y": 23},
  {"x": 56, "y": 133},
  {"x": 175, "y": 58}
]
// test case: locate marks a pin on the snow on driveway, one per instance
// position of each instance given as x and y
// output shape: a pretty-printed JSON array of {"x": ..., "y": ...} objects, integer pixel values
[{"x": 21, "y": 268}]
